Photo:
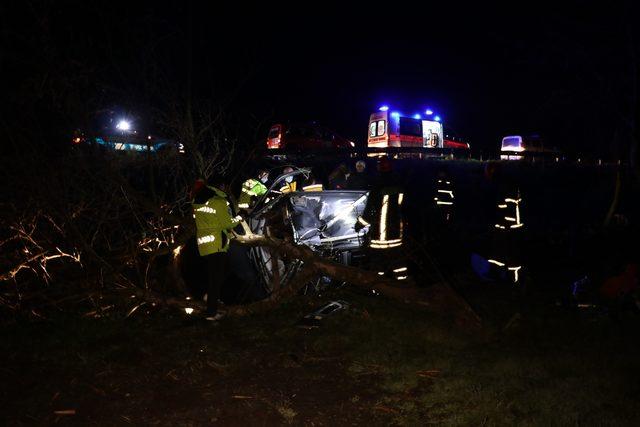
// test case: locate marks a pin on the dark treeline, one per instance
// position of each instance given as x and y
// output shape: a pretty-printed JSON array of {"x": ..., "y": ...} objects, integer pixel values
[{"x": 499, "y": 71}]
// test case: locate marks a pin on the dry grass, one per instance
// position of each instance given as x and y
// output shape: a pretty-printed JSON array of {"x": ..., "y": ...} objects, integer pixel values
[
  {"x": 394, "y": 365},
  {"x": 284, "y": 408}
]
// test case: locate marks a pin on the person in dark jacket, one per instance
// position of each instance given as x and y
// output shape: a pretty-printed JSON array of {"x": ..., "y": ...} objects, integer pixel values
[
  {"x": 383, "y": 216},
  {"x": 338, "y": 177},
  {"x": 358, "y": 180}
]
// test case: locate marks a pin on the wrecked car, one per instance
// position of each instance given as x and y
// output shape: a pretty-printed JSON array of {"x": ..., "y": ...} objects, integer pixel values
[{"x": 325, "y": 221}]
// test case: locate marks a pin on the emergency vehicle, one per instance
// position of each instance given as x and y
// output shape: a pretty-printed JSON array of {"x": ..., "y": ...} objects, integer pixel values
[
  {"x": 514, "y": 147},
  {"x": 392, "y": 129},
  {"x": 453, "y": 142},
  {"x": 298, "y": 136},
  {"x": 518, "y": 144}
]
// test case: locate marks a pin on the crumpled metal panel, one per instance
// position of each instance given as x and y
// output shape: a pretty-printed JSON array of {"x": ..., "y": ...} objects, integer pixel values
[{"x": 327, "y": 219}]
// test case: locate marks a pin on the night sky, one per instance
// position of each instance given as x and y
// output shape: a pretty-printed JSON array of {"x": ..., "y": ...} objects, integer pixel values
[{"x": 565, "y": 72}]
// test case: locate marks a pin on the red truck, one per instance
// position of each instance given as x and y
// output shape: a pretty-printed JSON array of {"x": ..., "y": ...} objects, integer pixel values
[{"x": 305, "y": 136}]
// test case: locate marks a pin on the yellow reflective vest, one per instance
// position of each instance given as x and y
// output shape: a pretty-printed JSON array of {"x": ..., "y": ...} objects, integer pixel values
[
  {"x": 213, "y": 222},
  {"x": 288, "y": 187},
  {"x": 250, "y": 188}
]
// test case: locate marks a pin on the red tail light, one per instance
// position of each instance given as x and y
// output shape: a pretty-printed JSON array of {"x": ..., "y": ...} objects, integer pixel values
[{"x": 273, "y": 142}]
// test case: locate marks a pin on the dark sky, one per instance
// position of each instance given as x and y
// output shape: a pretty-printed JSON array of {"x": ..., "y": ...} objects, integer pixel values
[{"x": 561, "y": 70}]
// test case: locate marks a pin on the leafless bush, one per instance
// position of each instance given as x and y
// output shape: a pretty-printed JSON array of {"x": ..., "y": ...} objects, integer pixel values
[{"x": 110, "y": 215}]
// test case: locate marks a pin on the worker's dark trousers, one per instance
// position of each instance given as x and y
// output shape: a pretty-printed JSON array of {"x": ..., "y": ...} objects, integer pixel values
[
  {"x": 387, "y": 260},
  {"x": 217, "y": 271}
]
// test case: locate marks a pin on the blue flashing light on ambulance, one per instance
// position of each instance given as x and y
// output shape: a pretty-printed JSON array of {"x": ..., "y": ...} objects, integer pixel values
[{"x": 392, "y": 129}]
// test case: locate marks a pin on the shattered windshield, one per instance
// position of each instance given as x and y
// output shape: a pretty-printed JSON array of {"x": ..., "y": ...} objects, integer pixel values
[{"x": 328, "y": 218}]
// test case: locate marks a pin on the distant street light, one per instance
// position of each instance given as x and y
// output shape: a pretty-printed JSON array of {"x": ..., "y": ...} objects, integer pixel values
[{"x": 123, "y": 125}]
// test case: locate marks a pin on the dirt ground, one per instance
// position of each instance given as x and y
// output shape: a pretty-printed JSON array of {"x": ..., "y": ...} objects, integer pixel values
[{"x": 379, "y": 363}]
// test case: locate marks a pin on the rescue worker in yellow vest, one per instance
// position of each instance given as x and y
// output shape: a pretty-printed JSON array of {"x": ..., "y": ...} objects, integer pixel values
[
  {"x": 214, "y": 221},
  {"x": 289, "y": 184},
  {"x": 312, "y": 184},
  {"x": 383, "y": 215},
  {"x": 252, "y": 189}
]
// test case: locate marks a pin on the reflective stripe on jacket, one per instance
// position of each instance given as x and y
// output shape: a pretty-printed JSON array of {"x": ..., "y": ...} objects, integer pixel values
[
  {"x": 384, "y": 213},
  {"x": 288, "y": 187},
  {"x": 213, "y": 221},
  {"x": 250, "y": 188}
]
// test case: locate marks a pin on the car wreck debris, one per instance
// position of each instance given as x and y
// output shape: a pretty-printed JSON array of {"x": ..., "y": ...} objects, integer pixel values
[{"x": 313, "y": 319}]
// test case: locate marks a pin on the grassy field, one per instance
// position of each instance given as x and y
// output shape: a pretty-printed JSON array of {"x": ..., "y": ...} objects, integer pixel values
[{"x": 380, "y": 363}]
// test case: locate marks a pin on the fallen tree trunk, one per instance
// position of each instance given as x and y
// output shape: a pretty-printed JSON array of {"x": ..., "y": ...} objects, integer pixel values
[
  {"x": 439, "y": 298},
  {"x": 326, "y": 267}
]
